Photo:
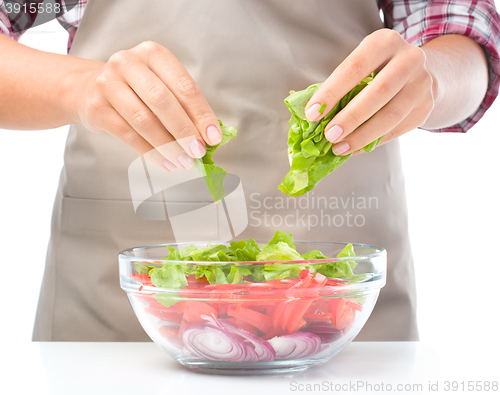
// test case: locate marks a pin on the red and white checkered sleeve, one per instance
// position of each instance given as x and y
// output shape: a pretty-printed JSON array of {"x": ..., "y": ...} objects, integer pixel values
[
  {"x": 420, "y": 21},
  {"x": 71, "y": 19},
  {"x": 15, "y": 27},
  {"x": 15, "y": 24}
]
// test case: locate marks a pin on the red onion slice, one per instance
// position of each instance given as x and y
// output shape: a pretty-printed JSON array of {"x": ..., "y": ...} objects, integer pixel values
[
  {"x": 262, "y": 347},
  {"x": 216, "y": 345},
  {"x": 296, "y": 345},
  {"x": 264, "y": 350}
]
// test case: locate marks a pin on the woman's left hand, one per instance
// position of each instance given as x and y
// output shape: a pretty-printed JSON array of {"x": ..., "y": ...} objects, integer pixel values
[{"x": 399, "y": 99}]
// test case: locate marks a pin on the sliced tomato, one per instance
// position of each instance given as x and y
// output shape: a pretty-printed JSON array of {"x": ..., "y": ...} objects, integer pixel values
[
  {"x": 334, "y": 282},
  {"x": 319, "y": 281},
  {"x": 278, "y": 315},
  {"x": 319, "y": 306},
  {"x": 261, "y": 321},
  {"x": 271, "y": 308},
  {"x": 295, "y": 318},
  {"x": 272, "y": 333},
  {"x": 298, "y": 324},
  {"x": 332, "y": 305},
  {"x": 344, "y": 315},
  {"x": 318, "y": 311},
  {"x": 167, "y": 332},
  {"x": 319, "y": 317},
  {"x": 194, "y": 282},
  {"x": 221, "y": 307},
  {"x": 304, "y": 282},
  {"x": 304, "y": 273},
  {"x": 194, "y": 310},
  {"x": 354, "y": 305},
  {"x": 242, "y": 324},
  {"x": 144, "y": 279}
]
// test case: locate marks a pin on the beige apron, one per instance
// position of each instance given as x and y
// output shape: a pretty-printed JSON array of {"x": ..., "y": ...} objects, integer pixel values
[{"x": 245, "y": 55}]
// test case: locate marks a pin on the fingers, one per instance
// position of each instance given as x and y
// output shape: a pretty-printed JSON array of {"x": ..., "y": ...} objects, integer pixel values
[
  {"x": 405, "y": 112},
  {"x": 121, "y": 130},
  {"x": 188, "y": 95},
  {"x": 147, "y": 104},
  {"x": 372, "y": 53},
  {"x": 388, "y": 82},
  {"x": 397, "y": 100},
  {"x": 147, "y": 99},
  {"x": 145, "y": 125},
  {"x": 386, "y": 119}
]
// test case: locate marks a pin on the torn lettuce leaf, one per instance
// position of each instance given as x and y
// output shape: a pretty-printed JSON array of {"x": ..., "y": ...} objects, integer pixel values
[
  {"x": 281, "y": 248},
  {"x": 309, "y": 152},
  {"x": 212, "y": 174}
]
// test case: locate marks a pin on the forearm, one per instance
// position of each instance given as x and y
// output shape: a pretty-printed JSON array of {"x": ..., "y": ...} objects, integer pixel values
[
  {"x": 459, "y": 70},
  {"x": 38, "y": 89}
]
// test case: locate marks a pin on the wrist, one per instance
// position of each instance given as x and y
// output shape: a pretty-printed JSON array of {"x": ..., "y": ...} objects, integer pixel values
[
  {"x": 76, "y": 86},
  {"x": 459, "y": 70},
  {"x": 436, "y": 91}
]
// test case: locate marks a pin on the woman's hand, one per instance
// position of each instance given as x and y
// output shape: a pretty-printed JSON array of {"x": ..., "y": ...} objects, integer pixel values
[
  {"x": 145, "y": 98},
  {"x": 399, "y": 99}
]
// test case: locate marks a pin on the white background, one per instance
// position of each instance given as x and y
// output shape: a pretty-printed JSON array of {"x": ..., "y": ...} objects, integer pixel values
[{"x": 453, "y": 195}]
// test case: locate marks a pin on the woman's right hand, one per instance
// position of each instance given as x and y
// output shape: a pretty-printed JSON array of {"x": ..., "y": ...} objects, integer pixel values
[{"x": 146, "y": 99}]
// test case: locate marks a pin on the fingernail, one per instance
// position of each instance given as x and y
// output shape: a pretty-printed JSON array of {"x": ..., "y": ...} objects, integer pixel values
[
  {"x": 313, "y": 113},
  {"x": 334, "y": 133},
  {"x": 169, "y": 165},
  {"x": 341, "y": 147},
  {"x": 185, "y": 160},
  {"x": 214, "y": 135},
  {"x": 197, "y": 148}
]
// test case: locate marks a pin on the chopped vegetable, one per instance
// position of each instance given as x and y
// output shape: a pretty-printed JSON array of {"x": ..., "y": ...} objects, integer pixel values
[
  {"x": 309, "y": 152},
  {"x": 247, "y": 313},
  {"x": 195, "y": 310},
  {"x": 280, "y": 248},
  {"x": 214, "y": 175},
  {"x": 296, "y": 345},
  {"x": 263, "y": 348},
  {"x": 322, "y": 108},
  {"x": 215, "y": 344}
]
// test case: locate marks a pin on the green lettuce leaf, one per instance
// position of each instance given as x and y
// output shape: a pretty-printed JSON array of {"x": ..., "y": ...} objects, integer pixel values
[
  {"x": 284, "y": 237},
  {"x": 143, "y": 268},
  {"x": 309, "y": 152},
  {"x": 168, "y": 276},
  {"x": 167, "y": 300},
  {"x": 281, "y": 271},
  {"x": 281, "y": 248},
  {"x": 314, "y": 254},
  {"x": 278, "y": 252},
  {"x": 339, "y": 269},
  {"x": 214, "y": 175}
]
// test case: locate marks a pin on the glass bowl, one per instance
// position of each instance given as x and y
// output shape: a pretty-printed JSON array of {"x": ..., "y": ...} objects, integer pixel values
[{"x": 253, "y": 326}]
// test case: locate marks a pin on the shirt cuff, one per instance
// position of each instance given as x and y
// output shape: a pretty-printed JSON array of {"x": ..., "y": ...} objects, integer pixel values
[{"x": 482, "y": 24}]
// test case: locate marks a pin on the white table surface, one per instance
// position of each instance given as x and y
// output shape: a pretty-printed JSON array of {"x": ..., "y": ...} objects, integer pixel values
[{"x": 142, "y": 368}]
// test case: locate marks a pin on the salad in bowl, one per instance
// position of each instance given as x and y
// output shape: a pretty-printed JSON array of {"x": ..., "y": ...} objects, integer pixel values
[{"x": 247, "y": 307}]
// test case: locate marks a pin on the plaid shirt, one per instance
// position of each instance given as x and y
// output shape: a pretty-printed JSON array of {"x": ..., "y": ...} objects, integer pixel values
[{"x": 416, "y": 21}]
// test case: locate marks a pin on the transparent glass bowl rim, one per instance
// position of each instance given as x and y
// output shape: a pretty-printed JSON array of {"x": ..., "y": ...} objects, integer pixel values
[
  {"x": 376, "y": 280},
  {"x": 125, "y": 254}
]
